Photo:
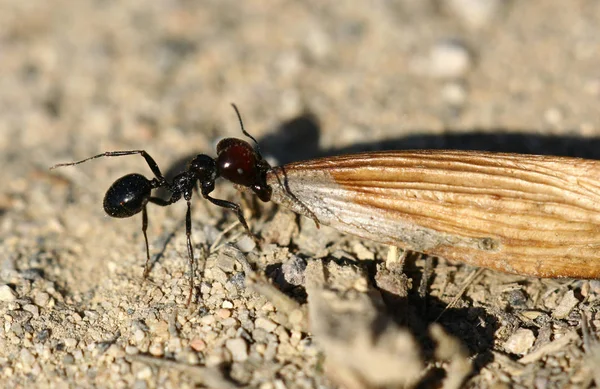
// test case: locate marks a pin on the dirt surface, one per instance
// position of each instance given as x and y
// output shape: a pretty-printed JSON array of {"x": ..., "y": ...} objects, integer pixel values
[{"x": 311, "y": 78}]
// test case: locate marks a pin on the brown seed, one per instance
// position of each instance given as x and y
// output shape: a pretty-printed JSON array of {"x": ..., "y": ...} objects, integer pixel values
[{"x": 526, "y": 214}]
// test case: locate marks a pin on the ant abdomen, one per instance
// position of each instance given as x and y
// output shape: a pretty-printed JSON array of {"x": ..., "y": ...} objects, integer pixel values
[{"x": 127, "y": 196}]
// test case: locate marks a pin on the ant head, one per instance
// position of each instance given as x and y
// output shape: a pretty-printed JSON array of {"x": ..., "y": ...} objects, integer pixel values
[
  {"x": 239, "y": 163},
  {"x": 127, "y": 196}
]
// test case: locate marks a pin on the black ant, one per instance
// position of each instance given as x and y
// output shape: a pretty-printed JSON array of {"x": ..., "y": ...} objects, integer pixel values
[{"x": 236, "y": 161}]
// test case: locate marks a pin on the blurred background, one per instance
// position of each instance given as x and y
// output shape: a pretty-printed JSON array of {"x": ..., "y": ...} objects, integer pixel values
[{"x": 310, "y": 77}]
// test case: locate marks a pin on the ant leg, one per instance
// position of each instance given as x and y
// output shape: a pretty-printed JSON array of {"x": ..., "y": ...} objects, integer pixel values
[
  {"x": 238, "y": 211},
  {"x": 149, "y": 160},
  {"x": 144, "y": 228},
  {"x": 190, "y": 248},
  {"x": 162, "y": 203}
]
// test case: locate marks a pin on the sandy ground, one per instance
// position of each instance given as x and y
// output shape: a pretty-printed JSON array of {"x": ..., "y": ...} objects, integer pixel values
[{"x": 311, "y": 78}]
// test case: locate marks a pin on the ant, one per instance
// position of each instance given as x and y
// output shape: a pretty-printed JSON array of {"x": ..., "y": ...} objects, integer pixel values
[{"x": 236, "y": 161}]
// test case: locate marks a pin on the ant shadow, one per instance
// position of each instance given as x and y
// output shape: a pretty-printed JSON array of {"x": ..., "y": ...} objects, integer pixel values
[{"x": 298, "y": 139}]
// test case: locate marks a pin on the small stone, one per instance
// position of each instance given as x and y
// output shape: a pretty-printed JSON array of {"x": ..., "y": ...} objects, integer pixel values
[
  {"x": 362, "y": 253},
  {"x": 246, "y": 244},
  {"x": 139, "y": 336},
  {"x": 145, "y": 373},
  {"x": 217, "y": 275},
  {"x": 295, "y": 338},
  {"x": 520, "y": 342},
  {"x": 229, "y": 322},
  {"x": 78, "y": 355},
  {"x": 70, "y": 342},
  {"x": 160, "y": 329},
  {"x": 454, "y": 94},
  {"x": 293, "y": 270},
  {"x": 207, "y": 320},
  {"x": 595, "y": 286},
  {"x": 7, "y": 294},
  {"x": 91, "y": 315},
  {"x": 68, "y": 359},
  {"x": 33, "y": 309},
  {"x": 131, "y": 350},
  {"x": 553, "y": 116},
  {"x": 259, "y": 335},
  {"x": 447, "y": 59},
  {"x": 205, "y": 288},
  {"x": 174, "y": 344},
  {"x": 531, "y": 315},
  {"x": 238, "y": 349},
  {"x": 227, "y": 304},
  {"x": 27, "y": 357},
  {"x": 265, "y": 324},
  {"x": 565, "y": 306},
  {"x": 226, "y": 263},
  {"x": 475, "y": 13},
  {"x": 156, "y": 349},
  {"x": 115, "y": 351},
  {"x": 198, "y": 344},
  {"x": 215, "y": 357}
]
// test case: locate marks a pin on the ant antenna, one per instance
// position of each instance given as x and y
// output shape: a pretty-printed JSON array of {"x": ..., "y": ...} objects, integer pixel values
[{"x": 237, "y": 111}]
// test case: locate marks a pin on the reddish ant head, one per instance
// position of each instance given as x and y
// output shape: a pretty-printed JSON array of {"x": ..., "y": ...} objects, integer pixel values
[{"x": 239, "y": 163}]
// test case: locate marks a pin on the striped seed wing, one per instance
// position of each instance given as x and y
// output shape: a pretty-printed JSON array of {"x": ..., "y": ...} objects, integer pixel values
[{"x": 535, "y": 215}]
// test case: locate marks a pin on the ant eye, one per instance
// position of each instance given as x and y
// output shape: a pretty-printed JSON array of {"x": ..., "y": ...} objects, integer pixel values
[
  {"x": 237, "y": 161},
  {"x": 127, "y": 196}
]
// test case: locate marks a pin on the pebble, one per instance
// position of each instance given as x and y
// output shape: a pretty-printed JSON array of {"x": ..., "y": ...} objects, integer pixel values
[
  {"x": 217, "y": 275},
  {"x": 565, "y": 306},
  {"x": 78, "y": 355},
  {"x": 265, "y": 324},
  {"x": 520, "y": 342},
  {"x": 160, "y": 329},
  {"x": 475, "y": 13},
  {"x": 225, "y": 263},
  {"x": 237, "y": 281},
  {"x": 27, "y": 357},
  {"x": 553, "y": 116},
  {"x": 223, "y": 313},
  {"x": 362, "y": 252},
  {"x": 174, "y": 344},
  {"x": 454, "y": 93},
  {"x": 293, "y": 270},
  {"x": 7, "y": 294},
  {"x": 238, "y": 349},
  {"x": 229, "y": 322},
  {"x": 227, "y": 304},
  {"x": 198, "y": 344},
  {"x": 448, "y": 59},
  {"x": 115, "y": 351},
  {"x": 207, "y": 320},
  {"x": 70, "y": 342},
  {"x": 131, "y": 350},
  {"x": 68, "y": 359},
  {"x": 156, "y": 349},
  {"x": 295, "y": 338},
  {"x": 215, "y": 358},
  {"x": 246, "y": 244},
  {"x": 139, "y": 335},
  {"x": 33, "y": 309},
  {"x": 259, "y": 335},
  {"x": 595, "y": 286},
  {"x": 145, "y": 373}
]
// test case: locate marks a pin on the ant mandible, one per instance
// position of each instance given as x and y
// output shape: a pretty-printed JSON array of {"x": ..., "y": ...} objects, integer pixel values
[{"x": 237, "y": 161}]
